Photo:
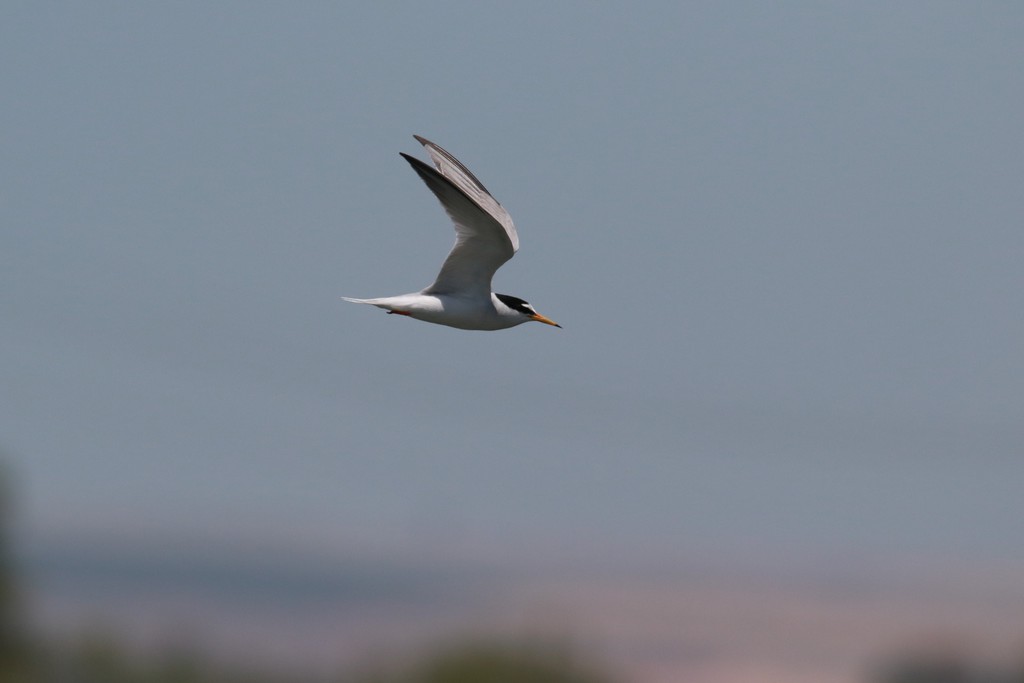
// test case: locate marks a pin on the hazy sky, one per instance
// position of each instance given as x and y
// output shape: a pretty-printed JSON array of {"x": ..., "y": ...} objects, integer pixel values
[{"x": 785, "y": 242}]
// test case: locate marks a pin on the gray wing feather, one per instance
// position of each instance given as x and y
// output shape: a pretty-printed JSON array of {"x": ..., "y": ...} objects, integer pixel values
[
  {"x": 485, "y": 237},
  {"x": 460, "y": 176}
]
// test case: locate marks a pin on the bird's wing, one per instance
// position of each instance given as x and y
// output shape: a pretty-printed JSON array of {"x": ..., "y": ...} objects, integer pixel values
[{"x": 484, "y": 234}]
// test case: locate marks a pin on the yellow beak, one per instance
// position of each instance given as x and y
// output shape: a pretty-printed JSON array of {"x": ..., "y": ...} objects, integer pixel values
[{"x": 547, "y": 321}]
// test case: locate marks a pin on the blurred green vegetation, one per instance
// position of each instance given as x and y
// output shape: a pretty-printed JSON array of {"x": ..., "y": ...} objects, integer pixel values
[
  {"x": 946, "y": 668},
  {"x": 101, "y": 660},
  {"x": 98, "y": 658},
  {"x": 15, "y": 649},
  {"x": 501, "y": 663}
]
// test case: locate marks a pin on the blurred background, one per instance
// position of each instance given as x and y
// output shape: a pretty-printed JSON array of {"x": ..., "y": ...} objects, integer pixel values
[{"x": 779, "y": 438}]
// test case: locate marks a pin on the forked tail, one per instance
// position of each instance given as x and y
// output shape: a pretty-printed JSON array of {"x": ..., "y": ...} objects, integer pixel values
[{"x": 386, "y": 303}]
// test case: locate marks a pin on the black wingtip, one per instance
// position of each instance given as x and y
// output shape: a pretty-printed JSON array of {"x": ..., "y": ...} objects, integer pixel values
[
  {"x": 430, "y": 176},
  {"x": 416, "y": 163}
]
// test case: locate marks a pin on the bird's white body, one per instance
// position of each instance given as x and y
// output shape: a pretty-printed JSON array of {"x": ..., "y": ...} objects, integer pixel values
[
  {"x": 463, "y": 312},
  {"x": 485, "y": 238}
]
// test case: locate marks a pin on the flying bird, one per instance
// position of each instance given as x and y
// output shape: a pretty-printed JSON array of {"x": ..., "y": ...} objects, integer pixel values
[{"x": 485, "y": 238}]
